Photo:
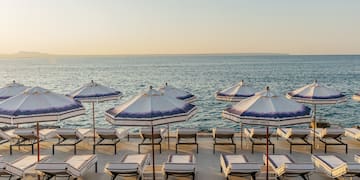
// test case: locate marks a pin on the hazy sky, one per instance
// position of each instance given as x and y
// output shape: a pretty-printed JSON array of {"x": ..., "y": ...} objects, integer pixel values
[{"x": 180, "y": 26}]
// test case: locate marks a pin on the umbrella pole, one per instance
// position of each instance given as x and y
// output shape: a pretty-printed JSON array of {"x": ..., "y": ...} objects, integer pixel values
[
  {"x": 153, "y": 151},
  {"x": 314, "y": 126},
  {"x": 267, "y": 152},
  {"x": 241, "y": 135},
  {"x": 38, "y": 141},
  {"x": 93, "y": 112},
  {"x": 38, "y": 144},
  {"x": 168, "y": 135}
]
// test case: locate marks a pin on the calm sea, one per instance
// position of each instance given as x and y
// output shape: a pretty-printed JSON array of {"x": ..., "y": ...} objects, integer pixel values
[{"x": 201, "y": 75}]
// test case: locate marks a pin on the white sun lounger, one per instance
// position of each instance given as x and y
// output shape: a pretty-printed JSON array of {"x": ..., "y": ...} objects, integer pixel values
[
  {"x": 353, "y": 133},
  {"x": 25, "y": 137},
  {"x": 129, "y": 165},
  {"x": 180, "y": 165},
  {"x": 112, "y": 135},
  {"x": 76, "y": 166},
  {"x": 19, "y": 167},
  {"x": 256, "y": 135},
  {"x": 284, "y": 166},
  {"x": 331, "y": 137},
  {"x": 69, "y": 137},
  {"x": 145, "y": 134},
  {"x": 335, "y": 167},
  {"x": 4, "y": 137},
  {"x": 295, "y": 136},
  {"x": 186, "y": 133},
  {"x": 238, "y": 165},
  {"x": 224, "y": 134}
]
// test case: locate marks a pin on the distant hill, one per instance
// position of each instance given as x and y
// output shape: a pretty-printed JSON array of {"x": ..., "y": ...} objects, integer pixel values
[
  {"x": 30, "y": 54},
  {"x": 26, "y": 54}
]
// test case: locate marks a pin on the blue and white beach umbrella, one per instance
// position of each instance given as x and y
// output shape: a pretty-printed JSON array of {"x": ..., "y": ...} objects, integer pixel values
[
  {"x": 267, "y": 109},
  {"x": 11, "y": 90},
  {"x": 36, "y": 105},
  {"x": 316, "y": 94},
  {"x": 235, "y": 93},
  {"x": 177, "y": 93},
  {"x": 356, "y": 97},
  {"x": 94, "y": 92},
  {"x": 150, "y": 108}
]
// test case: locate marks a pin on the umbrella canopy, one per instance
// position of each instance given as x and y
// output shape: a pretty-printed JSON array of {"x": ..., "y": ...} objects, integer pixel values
[
  {"x": 38, "y": 105},
  {"x": 177, "y": 93},
  {"x": 94, "y": 92},
  {"x": 356, "y": 97},
  {"x": 266, "y": 108},
  {"x": 316, "y": 94},
  {"x": 235, "y": 93},
  {"x": 150, "y": 108},
  {"x": 11, "y": 90}
]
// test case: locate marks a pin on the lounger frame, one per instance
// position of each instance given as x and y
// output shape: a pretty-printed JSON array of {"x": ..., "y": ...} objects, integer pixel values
[
  {"x": 148, "y": 136},
  {"x": 25, "y": 140},
  {"x": 129, "y": 173},
  {"x": 186, "y": 136},
  {"x": 336, "y": 138},
  {"x": 180, "y": 173},
  {"x": 113, "y": 137},
  {"x": 251, "y": 173},
  {"x": 228, "y": 136},
  {"x": 302, "y": 137},
  {"x": 62, "y": 139}
]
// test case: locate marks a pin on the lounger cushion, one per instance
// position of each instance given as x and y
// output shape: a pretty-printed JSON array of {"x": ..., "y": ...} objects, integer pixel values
[
  {"x": 129, "y": 164},
  {"x": 181, "y": 158},
  {"x": 69, "y": 133},
  {"x": 179, "y": 167},
  {"x": 276, "y": 161},
  {"x": 79, "y": 164},
  {"x": 158, "y": 132},
  {"x": 19, "y": 166},
  {"x": 244, "y": 167},
  {"x": 237, "y": 164},
  {"x": 229, "y": 159},
  {"x": 116, "y": 167},
  {"x": 353, "y": 168},
  {"x": 186, "y": 131},
  {"x": 223, "y": 132},
  {"x": 329, "y": 132},
  {"x": 357, "y": 158},
  {"x": 52, "y": 167},
  {"x": 180, "y": 164},
  {"x": 298, "y": 168},
  {"x": 331, "y": 164},
  {"x": 4, "y": 136},
  {"x": 292, "y": 132},
  {"x": 352, "y": 132}
]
